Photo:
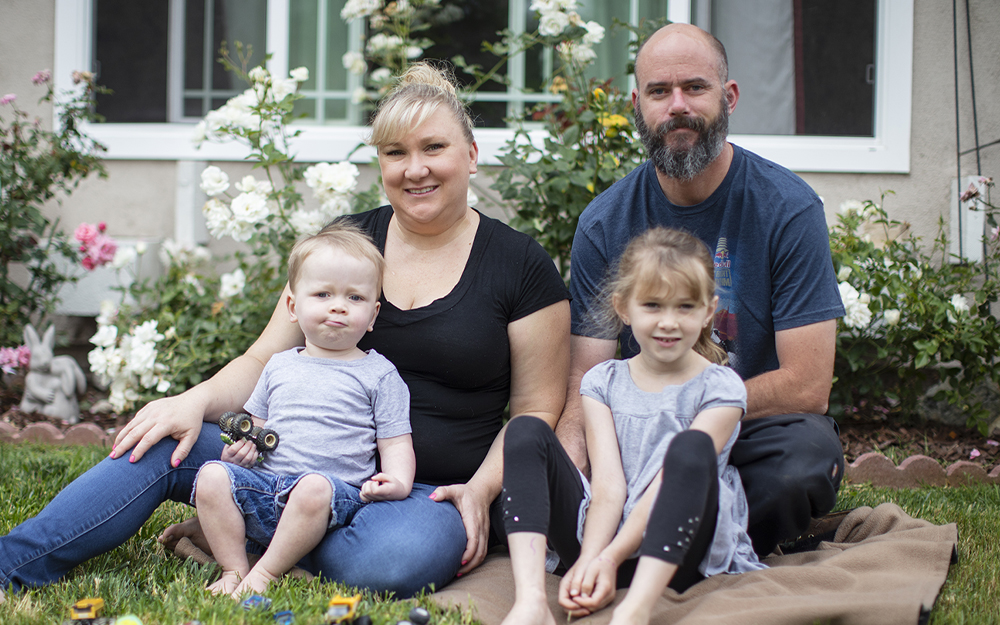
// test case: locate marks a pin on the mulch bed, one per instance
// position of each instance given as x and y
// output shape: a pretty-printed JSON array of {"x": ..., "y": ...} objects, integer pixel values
[{"x": 945, "y": 443}]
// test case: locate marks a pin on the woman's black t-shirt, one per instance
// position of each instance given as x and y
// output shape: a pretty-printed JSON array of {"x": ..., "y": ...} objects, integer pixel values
[{"x": 454, "y": 354}]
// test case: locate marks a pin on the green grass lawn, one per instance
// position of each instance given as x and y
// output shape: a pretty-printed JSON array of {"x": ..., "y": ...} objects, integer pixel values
[{"x": 139, "y": 578}]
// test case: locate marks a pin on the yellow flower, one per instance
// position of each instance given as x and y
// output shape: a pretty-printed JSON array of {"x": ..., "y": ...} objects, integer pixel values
[
  {"x": 613, "y": 121},
  {"x": 598, "y": 93},
  {"x": 590, "y": 187},
  {"x": 558, "y": 85}
]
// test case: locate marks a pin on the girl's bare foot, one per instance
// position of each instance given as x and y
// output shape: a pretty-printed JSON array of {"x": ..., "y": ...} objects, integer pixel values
[
  {"x": 226, "y": 584},
  {"x": 256, "y": 582},
  {"x": 533, "y": 612},
  {"x": 629, "y": 614},
  {"x": 188, "y": 528}
]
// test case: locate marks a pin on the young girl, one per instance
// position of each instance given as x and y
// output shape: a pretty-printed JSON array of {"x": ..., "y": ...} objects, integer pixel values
[{"x": 664, "y": 503}]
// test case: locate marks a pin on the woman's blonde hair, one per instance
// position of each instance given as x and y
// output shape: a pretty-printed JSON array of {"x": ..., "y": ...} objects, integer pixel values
[
  {"x": 663, "y": 260},
  {"x": 418, "y": 94}
]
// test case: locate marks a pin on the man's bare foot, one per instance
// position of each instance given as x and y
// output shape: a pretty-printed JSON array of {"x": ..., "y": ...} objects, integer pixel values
[
  {"x": 535, "y": 612},
  {"x": 188, "y": 528},
  {"x": 226, "y": 584},
  {"x": 255, "y": 582}
]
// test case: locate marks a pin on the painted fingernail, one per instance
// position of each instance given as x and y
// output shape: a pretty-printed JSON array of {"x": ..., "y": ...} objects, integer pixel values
[
  {"x": 131, "y": 458},
  {"x": 176, "y": 463},
  {"x": 464, "y": 562}
]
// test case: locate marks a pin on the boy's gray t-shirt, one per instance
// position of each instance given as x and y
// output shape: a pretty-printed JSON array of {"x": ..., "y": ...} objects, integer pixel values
[
  {"x": 328, "y": 413},
  {"x": 646, "y": 423}
]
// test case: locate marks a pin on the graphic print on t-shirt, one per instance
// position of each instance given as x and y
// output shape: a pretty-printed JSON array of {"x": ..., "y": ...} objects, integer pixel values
[{"x": 724, "y": 331}]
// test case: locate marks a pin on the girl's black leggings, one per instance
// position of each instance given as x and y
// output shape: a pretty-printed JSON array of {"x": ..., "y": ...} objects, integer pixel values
[{"x": 542, "y": 491}]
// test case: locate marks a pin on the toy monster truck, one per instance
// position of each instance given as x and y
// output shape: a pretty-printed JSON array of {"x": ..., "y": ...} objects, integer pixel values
[{"x": 239, "y": 425}]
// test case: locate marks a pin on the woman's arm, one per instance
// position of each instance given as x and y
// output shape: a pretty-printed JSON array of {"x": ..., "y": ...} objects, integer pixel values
[
  {"x": 539, "y": 355},
  {"x": 181, "y": 416},
  {"x": 590, "y": 582}
]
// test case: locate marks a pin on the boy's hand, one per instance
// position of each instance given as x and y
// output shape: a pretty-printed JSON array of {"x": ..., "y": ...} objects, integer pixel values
[
  {"x": 243, "y": 452},
  {"x": 383, "y": 487}
]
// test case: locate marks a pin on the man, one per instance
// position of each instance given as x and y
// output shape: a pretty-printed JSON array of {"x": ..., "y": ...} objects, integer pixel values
[{"x": 778, "y": 297}]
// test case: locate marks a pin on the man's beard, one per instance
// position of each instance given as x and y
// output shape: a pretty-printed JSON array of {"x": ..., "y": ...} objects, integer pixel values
[{"x": 685, "y": 163}]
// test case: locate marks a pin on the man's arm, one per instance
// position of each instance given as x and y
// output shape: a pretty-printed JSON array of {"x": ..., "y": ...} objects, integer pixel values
[
  {"x": 802, "y": 381},
  {"x": 585, "y": 352}
]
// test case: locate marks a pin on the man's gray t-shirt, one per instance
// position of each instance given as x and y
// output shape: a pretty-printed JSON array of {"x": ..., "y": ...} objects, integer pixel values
[
  {"x": 328, "y": 413},
  {"x": 646, "y": 423}
]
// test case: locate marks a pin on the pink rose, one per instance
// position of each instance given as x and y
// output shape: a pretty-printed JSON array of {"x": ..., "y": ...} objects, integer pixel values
[
  {"x": 103, "y": 249},
  {"x": 88, "y": 263},
  {"x": 7, "y": 99},
  {"x": 42, "y": 77},
  {"x": 86, "y": 233}
]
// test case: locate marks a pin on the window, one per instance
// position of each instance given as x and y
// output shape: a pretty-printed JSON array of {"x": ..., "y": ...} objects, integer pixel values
[{"x": 161, "y": 55}]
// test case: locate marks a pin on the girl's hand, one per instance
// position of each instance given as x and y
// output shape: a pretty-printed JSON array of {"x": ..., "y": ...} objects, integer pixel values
[
  {"x": 588, "y": 585},
  {"x": 383, "y": 487},
  {"x": 179, "y": 417},
  {"x": 243, "y": 452},
  {"x": 474, "y": 508}
]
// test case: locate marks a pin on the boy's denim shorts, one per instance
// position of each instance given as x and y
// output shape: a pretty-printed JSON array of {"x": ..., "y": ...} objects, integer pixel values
[{"x": 261, "y": 496}]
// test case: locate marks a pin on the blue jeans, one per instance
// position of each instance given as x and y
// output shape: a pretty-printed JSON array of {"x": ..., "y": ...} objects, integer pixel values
[
  {"x": 389, "y": 546},
  {"x": 261, "y": 497}
]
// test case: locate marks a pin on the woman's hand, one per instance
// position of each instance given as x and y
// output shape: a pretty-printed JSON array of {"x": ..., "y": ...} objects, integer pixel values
[
  {"x": 588, "y": 585},
  {"x": 178, "y": 417},
  {"x": 475, "y": 510},
  {"x": 243, "y": 452}
]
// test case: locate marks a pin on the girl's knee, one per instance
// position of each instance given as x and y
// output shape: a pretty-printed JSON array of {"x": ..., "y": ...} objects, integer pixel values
[
  {"x": 525, "y": 430},
  {"x": 690, "y": 450}
]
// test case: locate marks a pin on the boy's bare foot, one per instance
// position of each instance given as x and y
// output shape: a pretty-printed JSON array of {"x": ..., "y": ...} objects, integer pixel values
[
  {"x": 255, "y": 582},
  {"x": 534, "y": 612},
  {"x": 188, "y": 528},
  {"x": 226, "y": 584}
]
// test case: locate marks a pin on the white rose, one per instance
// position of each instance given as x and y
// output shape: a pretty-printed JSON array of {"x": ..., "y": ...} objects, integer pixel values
[
  {"x": 249, "y": 184},
  {"x": 359, "y": 95},
  {"x": 857, "y": 314},
  {"x": 108, "y": 311},
  {"x": 413, "y": 52},
  {"x": 249, "y": 208},
  {"x": 960, "y": 303},
  {"x": 141, "y": 248},
  {"x": 200, "y": 134},
  {"x": 851, "y": 206},
  {"x": 844, "y": 272},
  {"x": 354, "y": 62},
  {"x": 105, "y": 337},
  {"x": 124, "y": 256},
  {"x": 259, "y": 75},
  {"x": 232, "y": 284},
  {"x": 195, "y": 283},
  {"x": 307, "y": 222},
  {"x": 336, "y": 206},
  {"x": 299, "y": 74},
  {"x": 147, "y": 333},
  {"x": 162, "y": 386},
  {"x": 217, "y": 217},
  {"x": 326, "y": 179},
  {"x": 552, "y": 23},
  {"x": 891, "y": 316},
  {"x": 354, "y": 9},
  {"x": 214, "y": 181},
  {"x": 381, "y": 75},
  {"x": 595, "y": 33}
]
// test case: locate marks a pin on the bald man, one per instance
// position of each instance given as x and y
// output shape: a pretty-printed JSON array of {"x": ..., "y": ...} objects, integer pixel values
[{"x": 778, "y": 296}]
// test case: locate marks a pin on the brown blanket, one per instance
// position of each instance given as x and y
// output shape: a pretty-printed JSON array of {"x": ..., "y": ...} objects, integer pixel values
[{"x": 883, "y": 567}]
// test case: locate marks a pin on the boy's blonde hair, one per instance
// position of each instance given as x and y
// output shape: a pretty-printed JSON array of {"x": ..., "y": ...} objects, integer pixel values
[
  {"x": 342, "y": 236},
  {"x": 664, "y": 260},
  {"x": 420, "y": 92}
]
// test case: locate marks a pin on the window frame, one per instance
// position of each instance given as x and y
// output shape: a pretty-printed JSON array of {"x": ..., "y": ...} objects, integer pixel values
[{"x": 887, "y": 152}]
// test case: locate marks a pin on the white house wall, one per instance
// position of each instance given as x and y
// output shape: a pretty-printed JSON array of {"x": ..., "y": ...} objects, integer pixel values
[{"x": 138, "y": 199}]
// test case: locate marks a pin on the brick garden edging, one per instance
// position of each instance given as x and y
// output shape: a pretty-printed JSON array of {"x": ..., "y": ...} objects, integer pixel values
[
  {"x": 917, "y": 471},
  {"x": 43, "y": 432},
  {"x": 914, "y": 472}
]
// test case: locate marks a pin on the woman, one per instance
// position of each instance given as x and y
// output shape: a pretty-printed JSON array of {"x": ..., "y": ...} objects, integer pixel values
[{"x": 473, "y": 315}]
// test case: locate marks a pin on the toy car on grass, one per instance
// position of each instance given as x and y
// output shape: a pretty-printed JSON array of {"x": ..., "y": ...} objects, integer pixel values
[
  {"x": 341, "y": 609},
  {"x": 86, "y": 609},
  {"x": 239, "y": 425}
]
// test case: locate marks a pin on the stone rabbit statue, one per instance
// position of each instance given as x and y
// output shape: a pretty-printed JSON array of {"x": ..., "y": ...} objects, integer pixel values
[{"x": 53, "y": 382}]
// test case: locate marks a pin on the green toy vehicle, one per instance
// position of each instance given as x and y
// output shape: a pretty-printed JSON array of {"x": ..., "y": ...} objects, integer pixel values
[{"x": 239, "y": 425}]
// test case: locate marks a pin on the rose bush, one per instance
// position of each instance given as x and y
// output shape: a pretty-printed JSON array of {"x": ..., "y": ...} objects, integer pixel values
[{"x": 919, "y": 324}]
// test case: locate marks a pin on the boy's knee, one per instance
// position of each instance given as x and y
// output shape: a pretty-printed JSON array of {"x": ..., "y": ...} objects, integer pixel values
[
  {"x": 213, "y": 482},
  {"x": 312, "y": 492}
]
